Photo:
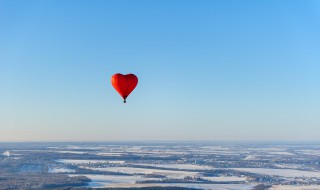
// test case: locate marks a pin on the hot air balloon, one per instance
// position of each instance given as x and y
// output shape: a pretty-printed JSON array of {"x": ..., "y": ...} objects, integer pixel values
[{"x": 124, "y": 84}]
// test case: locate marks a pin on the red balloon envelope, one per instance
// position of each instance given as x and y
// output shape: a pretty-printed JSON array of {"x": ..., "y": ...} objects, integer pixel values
[{"x": 124, "y": 84}]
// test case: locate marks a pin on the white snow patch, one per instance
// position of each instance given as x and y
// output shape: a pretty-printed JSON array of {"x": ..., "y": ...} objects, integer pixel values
[
  {"x": 71, "y": 152},
  {"x": 112, "y": 181},
  {"x": 85, "y": 147},
  {"x": 288, "y": 166},
  {"x": 225, "y": 178},
  {"x": 281, "y": 153},
  {"x": 79, "y": 162},
  {"x": 6, "y": 153},
  {"x": 60, "y": 170},
  {"x": 110, "y": 154},
  {"x": 310, "y": 152},
  {"x": 107, "y": 180},
  {"x": 291, "y": 187},
  {"x": 280, "y": 172},
  {"x": 250, "y": 157},
  {"x": 179, "y": 166},
  {"x": 143, "y": 171}
]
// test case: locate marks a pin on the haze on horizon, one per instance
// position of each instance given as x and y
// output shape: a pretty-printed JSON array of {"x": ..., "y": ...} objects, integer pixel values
[{"x": 208, "y": 70}]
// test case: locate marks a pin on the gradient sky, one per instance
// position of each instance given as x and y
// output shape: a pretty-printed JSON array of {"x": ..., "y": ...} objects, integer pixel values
[{"x": 208, "y": 70}]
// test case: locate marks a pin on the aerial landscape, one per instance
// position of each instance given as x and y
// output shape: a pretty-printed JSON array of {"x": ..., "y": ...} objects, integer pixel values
[
  {"x": 160, "y": 94},
  {"x": 216, "y": 166}
]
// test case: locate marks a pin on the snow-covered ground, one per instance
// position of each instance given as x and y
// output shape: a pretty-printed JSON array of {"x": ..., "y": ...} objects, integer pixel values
[
  {"x": 281, "y": 153},
  {"x": 85, "y": 147},
  {"x": 310, "y": 152},
  {"x": 179, "y": 166},
  {"x": 6, "y": 153},
  {"x": 110, "y": 154},
  {"x": 268, "y": 149},
  {"x": 280, "y": 172},
  {"x": 225, "y": 178},
  {"x": 192, "y": 185},
  {"x": 107, "y": 180},
  {"x": 79, "y": 162},
  {"x": 60, "y": 170},
  {"x": 112, "y": 181},
  {"x": 71, "y": 152},
  {"x": 291, "y": 187},
  {"x": 143, "y": 171},
  {"x": 288, "y": 166},
  {"x": 250, "y": 157}
]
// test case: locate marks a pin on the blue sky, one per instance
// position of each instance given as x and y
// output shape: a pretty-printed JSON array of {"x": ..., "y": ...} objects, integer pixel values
[{"x": 208, "y": 70}]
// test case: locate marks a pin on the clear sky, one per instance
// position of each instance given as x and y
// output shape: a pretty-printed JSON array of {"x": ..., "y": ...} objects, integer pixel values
[{"x": 208, "y": 70}]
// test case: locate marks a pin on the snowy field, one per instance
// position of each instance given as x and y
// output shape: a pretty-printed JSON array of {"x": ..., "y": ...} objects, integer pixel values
[
  {"x": 108, "y": 180},
  {"x": 144, "y": 171},
  {"x": 110, "y": 154},
  {"x": 203, "y": 166},
  {"x": 82, "y": 162},
  {"x": 225, "y": 179},
  {"x": 157, "y": 161},
  {"x": 291, "y": 187},
  {"x": 280, "y": 172},
  {"x": 193, "y": 185},
  {"x": 71, "y": 152},
  {"x": 101, "y": 181},
  {"x": 60, "y": 170},
  {"x": 179, "y": 166}
]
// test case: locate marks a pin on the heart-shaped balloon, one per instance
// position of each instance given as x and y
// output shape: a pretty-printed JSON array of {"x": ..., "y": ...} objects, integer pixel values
[{"x": 124, "y": 84}]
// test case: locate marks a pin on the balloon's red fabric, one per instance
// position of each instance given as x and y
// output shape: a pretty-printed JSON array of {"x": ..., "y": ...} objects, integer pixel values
[{"x": 124, "y": 84}]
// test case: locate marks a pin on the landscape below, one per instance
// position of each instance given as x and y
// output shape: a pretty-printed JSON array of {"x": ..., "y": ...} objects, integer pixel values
[{"x": 218, "y": 166}]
